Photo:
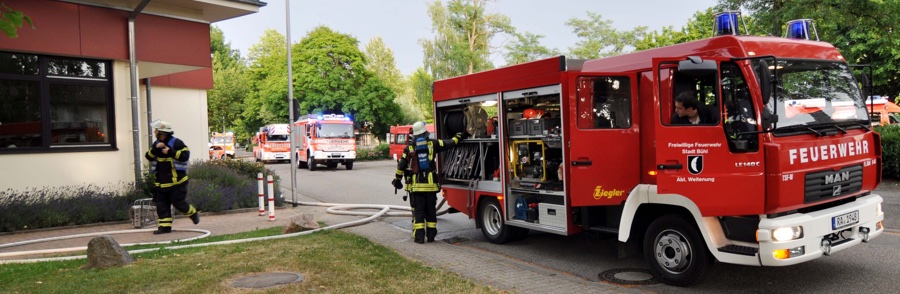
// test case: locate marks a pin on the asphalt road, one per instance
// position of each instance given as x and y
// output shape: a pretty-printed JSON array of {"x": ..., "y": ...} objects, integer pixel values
[{"x": 873, "y": 267}]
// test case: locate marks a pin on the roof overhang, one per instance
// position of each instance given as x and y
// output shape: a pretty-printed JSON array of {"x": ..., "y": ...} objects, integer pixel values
[{"x": 208, "y": 11}]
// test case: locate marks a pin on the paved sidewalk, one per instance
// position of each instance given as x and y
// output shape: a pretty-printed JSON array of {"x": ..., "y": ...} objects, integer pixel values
[{"x": 499, "y": 272}]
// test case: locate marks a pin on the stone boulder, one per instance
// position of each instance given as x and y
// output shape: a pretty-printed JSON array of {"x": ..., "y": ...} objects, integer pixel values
[
  {"x": 104, "y": 251},
  {"x": 302, "y": 222}
]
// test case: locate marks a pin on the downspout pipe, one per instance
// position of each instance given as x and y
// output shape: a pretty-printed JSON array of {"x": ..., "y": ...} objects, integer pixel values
[
  {"x": 149, "y": 112},
  {"x": 135, "y": 110}
]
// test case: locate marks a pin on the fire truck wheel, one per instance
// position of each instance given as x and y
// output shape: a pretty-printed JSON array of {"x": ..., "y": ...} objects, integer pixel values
[
  {"x": 311, "y": 164},
  {"x": 301, "y": 164},
  {"x": 348, "y": 165},
  {"x": 490, "y": 219},
  {"x": 675, "y": 251}
]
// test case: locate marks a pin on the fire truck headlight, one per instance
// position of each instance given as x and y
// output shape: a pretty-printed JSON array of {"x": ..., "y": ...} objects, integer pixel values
[{"x": 787, "y": 234}]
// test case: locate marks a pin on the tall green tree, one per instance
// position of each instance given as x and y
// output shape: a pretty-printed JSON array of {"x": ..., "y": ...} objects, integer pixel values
[
  {"x": 230, "y": 86},
  {"x": 599, "y": 38},
  {"x": 11, "y": 20},
  {"x": 380, "y": 61},
  {"x": 268, "y": 99},
  {"x": 421, "y": 82},
  {"x": 463, "y": 31},
  {"x": 331, "y": 76},
  {"x": 865, "y": 32},
  {"x": 527, "y": 47}
]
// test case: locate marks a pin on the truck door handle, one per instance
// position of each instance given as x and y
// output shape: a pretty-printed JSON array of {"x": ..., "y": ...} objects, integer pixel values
[
  {"x": 675, "y": 166},
  {"x": 581, "y": 162}
]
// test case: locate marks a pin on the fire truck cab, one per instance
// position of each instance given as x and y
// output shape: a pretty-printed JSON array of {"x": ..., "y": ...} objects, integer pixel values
[
  {"x": 222, "y": 144},
  {"x": 326, "y": 139},
  {"x": 398, "y": 136},
  {"x": 273, "y": 143},
  {"x": 613, "y": 146}
]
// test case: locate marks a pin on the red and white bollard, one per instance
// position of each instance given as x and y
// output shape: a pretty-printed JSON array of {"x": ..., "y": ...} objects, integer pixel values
[
  {"x": 271, "y": 199},
  {"x": 262, "y": 205}
]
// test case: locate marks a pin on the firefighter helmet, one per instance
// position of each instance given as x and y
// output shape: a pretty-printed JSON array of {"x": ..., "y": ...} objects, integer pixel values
[
  {"x": 162, "y": 126},
  {"x": 529, "y": 113},
  {"x": 419, "y": 128}
]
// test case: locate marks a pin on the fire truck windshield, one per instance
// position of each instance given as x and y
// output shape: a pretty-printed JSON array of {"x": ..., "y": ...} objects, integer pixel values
[
  {"x": 277, "y": 138},
  {"x": 327, "y": 130},
  {"x": 810, "y": 93}
]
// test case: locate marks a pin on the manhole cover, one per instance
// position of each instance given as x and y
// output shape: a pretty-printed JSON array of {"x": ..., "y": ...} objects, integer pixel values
[
  {"x": 267, "y": 280},
  {"x": 628, "y": 276}
]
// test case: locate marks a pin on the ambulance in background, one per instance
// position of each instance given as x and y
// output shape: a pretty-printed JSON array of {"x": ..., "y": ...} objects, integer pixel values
[
  {"x": 326, "y": 139},
  {"x": 273, "y": 143}
]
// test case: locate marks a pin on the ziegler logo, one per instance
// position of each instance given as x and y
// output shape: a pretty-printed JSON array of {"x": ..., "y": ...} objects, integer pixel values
[{"x": 837, "y": 177}]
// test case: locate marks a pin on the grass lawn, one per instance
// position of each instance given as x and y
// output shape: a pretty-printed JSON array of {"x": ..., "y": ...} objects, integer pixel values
[{"x": 331, "y": 262}]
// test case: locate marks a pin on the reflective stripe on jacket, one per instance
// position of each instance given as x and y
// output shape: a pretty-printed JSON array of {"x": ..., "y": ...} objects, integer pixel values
[{"x": 170, "y": 169}]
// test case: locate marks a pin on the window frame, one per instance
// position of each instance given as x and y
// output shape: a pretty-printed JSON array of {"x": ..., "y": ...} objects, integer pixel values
[{"x": 45, "y": 80}]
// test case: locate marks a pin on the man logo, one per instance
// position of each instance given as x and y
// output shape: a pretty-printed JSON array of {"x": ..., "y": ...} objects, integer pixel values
[
  {"x": 837, "y": 177},
  {"x": 836, "y": 190},
  {"x": 695, "y": 164}
]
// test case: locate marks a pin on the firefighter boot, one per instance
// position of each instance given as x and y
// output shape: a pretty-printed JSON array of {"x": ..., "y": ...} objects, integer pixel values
[
  {"x": 194, "y": 215},
  {"x": 430, "y": 231},
  {"x": 162, "y": 230},
  {"x": 419, "y": 233}
]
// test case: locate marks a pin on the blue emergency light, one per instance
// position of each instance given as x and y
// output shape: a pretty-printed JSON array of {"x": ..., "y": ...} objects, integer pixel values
[
  {"x": 727, "y": 23},
  {"x": 801, "y": 29}
]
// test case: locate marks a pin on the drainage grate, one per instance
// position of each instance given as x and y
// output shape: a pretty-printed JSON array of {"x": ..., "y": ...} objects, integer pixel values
[
  {"x": 628, "y": 276},
  {"x": 267, "y": 280}
]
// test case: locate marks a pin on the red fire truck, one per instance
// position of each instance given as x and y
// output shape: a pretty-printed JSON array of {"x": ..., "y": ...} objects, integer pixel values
[
  {"x": 757, "y": 184},
  {"x": 273, "y": 143},
  {"x": 326, "y": 139},
  {"x": 398, "y": 136}
]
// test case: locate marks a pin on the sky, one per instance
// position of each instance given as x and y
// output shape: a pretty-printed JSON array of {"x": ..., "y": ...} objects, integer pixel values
[{"x": 402, "y": 23}]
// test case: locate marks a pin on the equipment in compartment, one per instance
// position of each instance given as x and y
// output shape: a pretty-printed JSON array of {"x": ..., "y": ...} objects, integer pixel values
[{"x": 532, "y": 161}]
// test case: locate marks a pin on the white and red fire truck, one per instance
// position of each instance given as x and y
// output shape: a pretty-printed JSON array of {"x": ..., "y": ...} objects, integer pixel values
[
  {"x": 326, "y": 139},
  {"x": 273, "y": 143},
  {"x": 760, "y": 184}
]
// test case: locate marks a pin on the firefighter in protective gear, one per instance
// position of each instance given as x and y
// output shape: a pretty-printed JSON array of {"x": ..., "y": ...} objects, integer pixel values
[
  {"x": 168, "y": 158},
  {"x": 423, "y": 181}
]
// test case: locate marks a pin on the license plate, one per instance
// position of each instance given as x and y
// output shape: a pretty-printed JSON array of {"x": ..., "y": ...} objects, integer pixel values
[
  {"x": 335, "y": 154},
  {"x": 844, "y": 220},
  {"x": 279, "y": 156}
]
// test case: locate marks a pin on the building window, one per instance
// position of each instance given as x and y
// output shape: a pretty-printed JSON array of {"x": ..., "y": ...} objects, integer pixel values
[{"x": 50, "y": 103}]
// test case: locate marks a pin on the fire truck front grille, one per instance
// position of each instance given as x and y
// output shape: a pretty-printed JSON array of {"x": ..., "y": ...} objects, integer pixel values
[{"x": 826, "y": 184}]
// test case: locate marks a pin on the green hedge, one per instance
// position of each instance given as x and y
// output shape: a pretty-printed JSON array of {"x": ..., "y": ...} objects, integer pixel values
[
  {"x": 382, "y": 151},
  {"x": 214, "y": 186},
  {"x": 890, "y": 148}
]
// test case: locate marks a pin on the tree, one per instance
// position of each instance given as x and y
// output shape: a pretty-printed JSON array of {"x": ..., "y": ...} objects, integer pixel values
[
  {"x": 527, "y": 47},
  {"x": 331, "y": 77},
  {"x": 600, "y": 38},
  {"x": 11, "y": 20},
  {"x": 463, "y": 32},
  {"x": 380, "y": 61},
  {"x": 268, "y": 99},
  {"x": 421, "y": 82},
  {"x": 865, "y": 32},
  {"x": 231, "y": 86},
  {"x": 700, "y": 26}
]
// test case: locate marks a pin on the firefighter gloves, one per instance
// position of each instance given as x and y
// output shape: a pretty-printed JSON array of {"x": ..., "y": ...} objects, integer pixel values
[{"x": 397, "y": 184}]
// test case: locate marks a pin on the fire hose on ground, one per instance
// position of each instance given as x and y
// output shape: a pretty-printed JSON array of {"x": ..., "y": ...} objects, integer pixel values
[{"x": 333, "y": 208}]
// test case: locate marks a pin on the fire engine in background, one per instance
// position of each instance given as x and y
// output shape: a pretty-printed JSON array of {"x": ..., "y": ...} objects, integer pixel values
[
  {"x": 325, "y": 139},
  {"x": 224, "y": 142},
  {"x": 273, "y": 143},
  {"x": 759, "y": 185},
  {"x": 883, "y": 111},
  {"x": 396, "y": 139}
]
